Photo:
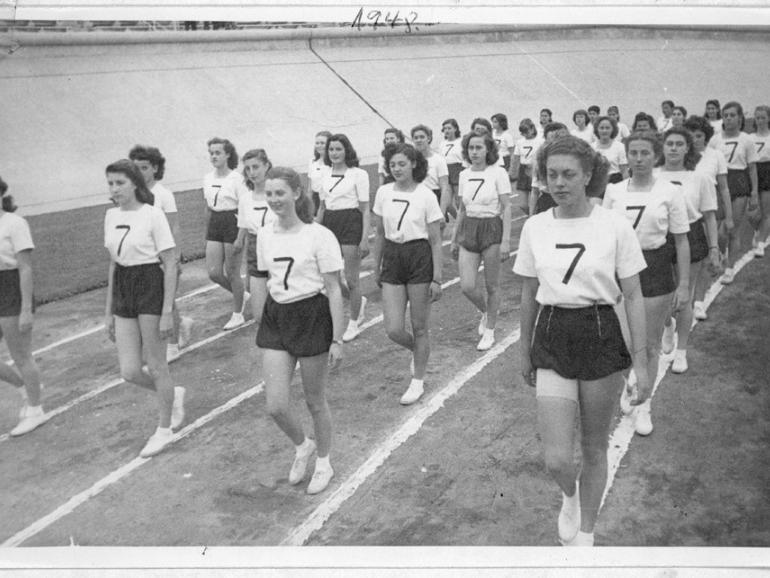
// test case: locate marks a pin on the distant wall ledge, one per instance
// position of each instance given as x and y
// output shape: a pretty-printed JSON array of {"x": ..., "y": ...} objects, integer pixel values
[{"x": 382, "y": 33}]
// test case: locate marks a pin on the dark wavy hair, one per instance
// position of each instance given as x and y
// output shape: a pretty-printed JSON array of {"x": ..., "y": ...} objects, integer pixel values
[
  {"x": 260, "y": 155},
  {"x": 737, "y": 106},
  {"x": 525, "y": 126},
  {"x": 584, "y": 112},
  {"x": 128, "y": 168},
  {"x": 452, "y": 122},
  {"x": 489, "y": 142},
  {"x": 304, "y": 204},
  {"x": 550, "y": 113},
  {"x": 483, "y": 122},
  {"x": 501, "y": 119},
  {"x": 692, "y": 157},
  {"x": 649, "y": 136},
  {"x": 232, "y": 154},
  {"x": 681, "y": 109},
  {"x": 590, "y": 161},
  {"x": 644, "y": 116},
  {"x": 595, "y": 108},
  {"x": 420, "y": 170},
  {"x": 351, "y": 158},
  {"x": 8, "y": 204},
  {"x": 426, "y": 129},
  {"x": 700, "y": 123},
  {"x": 553, "y": 127},
  {"x": 714, "y": 102},
  {"x": 608, "y": 119},
  {"x": 669, "y": 102},
  {"x": 393, "y": 130},
  {"x": 316, "y": 154},
  {"x": 153, "y": 156}
]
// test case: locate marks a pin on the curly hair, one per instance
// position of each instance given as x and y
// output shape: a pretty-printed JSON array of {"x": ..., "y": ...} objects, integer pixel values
[
  {"x": 351, "y": 158},
  {"x": 229, "y": 148},
  {"x": 692, "y": 157},
  {"x": 610, "y": 120},
  {"x": 420, "y": 170},
  {"x": 489, "y": 143},
  {"x": 151, "y": 155},
  {"x": 261, "y": 156},
  {"x": 591, "y": 161}
]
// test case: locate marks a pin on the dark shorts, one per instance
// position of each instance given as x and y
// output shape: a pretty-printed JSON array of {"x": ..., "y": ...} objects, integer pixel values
[
  {"x": 544, "y": 202},
  {"x": 10, "y": 293},
  {"x": 302, "y": 328},
  {"x": 658, "y": 278},
  {"x": 584, "y": 343},
  {"x": 223, "y": 227},
  {"x": 615, "y": 178},
  {"x": 316, "y": 202},
  {"x": 763, "y": 176},
  {"x": 251, "y": 257},
  {"x": 696, "y": 237},
  {"x": 407, "y": 263},
  {"x": 507, "y": 162},
  {"x": 137, "y": 290},
  {"x": 454, "y": 173},
  {"x": 346, "y": 224},
  {"x": 523, "y": 180},
  {"x": 739, "y": 183},
  {"x": 478, "y": 234}
]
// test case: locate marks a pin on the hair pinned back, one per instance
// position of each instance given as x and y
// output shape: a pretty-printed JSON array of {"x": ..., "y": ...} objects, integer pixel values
[
  {"x": 229, "y": 148},
  {"x": 153, "y": 156},
  {"x": 8, "y": 204},
  {"x": 128, "y": 168},
  {"x": 591, "y": 161},
  {"x": 304, "y": 204}
]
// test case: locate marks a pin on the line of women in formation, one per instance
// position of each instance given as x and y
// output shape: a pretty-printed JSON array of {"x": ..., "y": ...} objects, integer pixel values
[{"x": 626, "y": 226}]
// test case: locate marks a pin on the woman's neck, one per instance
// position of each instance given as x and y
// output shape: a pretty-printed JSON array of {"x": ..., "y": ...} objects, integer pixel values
[
  {"x": 677, "y": 166},
  {"x": 642, "y": 181},
  {"x": 482, "y": 166},
  {"x": 764, "y": 131},
  {"x": 339, "y": 167},
  {"x": 222, "y": 171},
  {"x": 577, "y": 210},
  {"x": 731, "y": 133},
  {"x": 405, "y": 186},
  {"x": 259, "y": 188},
  {"x": 130, "y": 205},
  {"x": 288, "y": 222}
]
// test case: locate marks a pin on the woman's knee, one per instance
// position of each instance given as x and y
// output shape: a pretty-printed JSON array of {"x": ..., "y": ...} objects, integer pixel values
[
  {"x": 558, "y": 462},
  {"x": 316, "y": 403},
  {"x": 216, "y": 274},
  {"x": 132, "y": 373}
]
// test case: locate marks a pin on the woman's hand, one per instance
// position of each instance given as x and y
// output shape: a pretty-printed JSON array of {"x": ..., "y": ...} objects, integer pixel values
[
  {"x": 166, "y": 325},
  {"x": 335, "y": 354},
  {"x": 25, "y": 321},
  {"x": 238, "y": 244},
  {"x": 681, "y": 297},
  {"x": 527, "y": 371},
  {"x": 109, "y": 325},
  {"x": 715, "y": 263},
  {"x": 435, "y": 290},
  {"x": 505, "y": 250}
]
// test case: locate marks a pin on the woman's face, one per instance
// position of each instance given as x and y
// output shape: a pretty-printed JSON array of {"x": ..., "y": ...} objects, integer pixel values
[
  {"x": 336, "y": 152},
  {"x": 545, "y": 118},
  {"x": 592, "y": 115},
  {"x": 495, "y": 125},
  {"x": 477, "y": 151},
  {"x": 580, "y": 121},
  {"x": 401, "y": 168},
  {"x": 730, "y": 119},
  {"x": 147, "y": 170},
  {"x": 218, "y": 156},
  {"x": 641, "y": 157},
  {"x": 566, "y": 179},
  {"x": 320, "y": 144},
  {"x": 604, "y": 128},
  {"x": 761, "y": 119},
  {"x": 479, "y": 128},
  {"x": 642, "y": 125},
  {"x": 674, "y": 150},
  {"x": 390, "y": 138},
  {"x": 255, "y": 170},
  {"x": 666, "y": 108},
  {"x": 711, "y": 111},
  {"x": 122, "y": 188},
  {"x": 280, "y": 198},
  {"x": 677, "y": 117},
  {"x": 449, "y": 132},
  {"x": 421, "y": 141},
  {"x": 698, "y": 140}
]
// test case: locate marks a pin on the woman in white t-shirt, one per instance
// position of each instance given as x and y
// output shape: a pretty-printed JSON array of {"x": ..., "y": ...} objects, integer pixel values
[
  {"x": 152, "y": 165},
  {"x": 655, "y": 208},
  {"x": 522, "y": 163},
  {"x": 606, "y": 129},
  {"x": 584, "y": 129},
  {"x": 713, "y": 114},
  {"x": 503, "y": 138},
  {"x": 317, "y": 168},
  {"x": 451, "y": 148},
  {"x": 761, "y": 140},
  {"x": 17, "y": 313},
  {"x": 301, "y": 321},
  {"x": 614, "y": 113},
  {"x": 345, "y": 212},
  {"x": 437, "y": 178},
  {"x": 482, "y": 231},
  {"x": 140, "y": 294},
  {"x": 391, "y": 136},
  {"x": 572, "y": 347},
  {"x": 407, "y": 257},
  {"x": 223, "y": 261}
]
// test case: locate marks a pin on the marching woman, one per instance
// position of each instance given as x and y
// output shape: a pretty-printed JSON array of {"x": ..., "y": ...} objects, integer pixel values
[
  {"x": 140, "y": 294},
  {"x": 680, "y": 159},
  {"x": 253, "y": 215},
  {"x": 451, "y": 148},
  {"x": 678, "y": 116},
  {"x": 713, "y": 114},
  {"x": 317, "y": 168},
  {"x": 223, "y": 260},
  {"x": 655, "y": 208},
  {"x": 606, "y": 129},
  {"x": 614, "y": 113},
  {"x": 16, "y": 313},
  {"x": 391, "y": 136},
  {"x": 407, "y": 257},
  {"x": 585, "y": 129},
  {"x": 345, "y": 211},
  {"x": 761, "y": 140},
  {"x": 483, "y": 229},
  {"x": 503, "y": 138},
  {"x": 572, "y": 347},
  {"x": 741, "y": 154},
  {"x": 437, "y": 177},
  {"x": 299, "y": 322},
  {"x": 524, "y": 153}
]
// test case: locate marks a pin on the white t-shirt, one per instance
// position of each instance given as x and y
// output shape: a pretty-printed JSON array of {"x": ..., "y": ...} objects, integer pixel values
[
  {"x": 15, "y": 237},
  {"x": 738, "y": 150},
  {"x": 700, "y": 194},
  {"x": 137, "y": 237},
  {"x": 615, "y": 154},
  {"x": 345, "y": 190},
  {"x": 221, "y": 193},
  {"x": 712, "y": 163},
  {"x": 526, "y": 149},
  {"x": 574, "y": 265},
  {"x": 315, "y": 174},
  {"x": 452, "y": 150},
  {"x": 623, "y": 132},
  {"x": 664, "y": 123},
  {"x": 253, "y": 213},
  {"x": 437, "y": 168},
  {"x": 406, "y": 216},
  {"x": 504, "y": 142},
  {"x": 652, "y": 214},
  {"x": 164, "y": 199},
  {"x": 295, "y": 262},
  {"x": 716, "y": 125},
  {"x": 480, "y": 191},
  {"x": 762, "y": 144},
  {"x": 587, "y": 134}
]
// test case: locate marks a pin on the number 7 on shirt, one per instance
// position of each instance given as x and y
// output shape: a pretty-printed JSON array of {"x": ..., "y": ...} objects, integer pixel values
[{"x": 581, "y": 249}]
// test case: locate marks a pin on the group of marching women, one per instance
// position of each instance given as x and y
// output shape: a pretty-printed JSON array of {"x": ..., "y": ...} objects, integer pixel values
[{"x": 625, "y": 226}]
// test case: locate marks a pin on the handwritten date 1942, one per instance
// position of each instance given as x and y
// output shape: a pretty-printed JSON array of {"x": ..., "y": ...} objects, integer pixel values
[{"x": 376, "y": 18}]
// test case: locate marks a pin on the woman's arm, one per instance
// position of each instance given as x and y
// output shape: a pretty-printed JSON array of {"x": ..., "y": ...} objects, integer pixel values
[
  {"x": 334, "y": 294},
  {"x": 505, "y": 245},
  {"x": 24, "y": 264},
  {"x": 682, "y": 295},
  {"x": 168, "y": 258},
  {"x": 724, "y": 193},
  {"x": 754, "y": 202},
  {"x": 109, "y": 319},
  {"x": 446, "y": 194},
  {"x": 319, "y": 218},
  {"x": 363, "y": 247},
  {"x": 528, "y": 314},
  {"x": 513, "y": 170},
  {"x": 634, "y": 304},
  {"x": 240, "y": 240},
  {"x": 454, "y": 247},
  {"x": 712, "y": 236},
  {"x": 379, "y": 242},
  {"x": 434, "y": 236}
]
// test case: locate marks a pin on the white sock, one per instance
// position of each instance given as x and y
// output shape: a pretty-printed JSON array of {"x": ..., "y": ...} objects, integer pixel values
[
  {"x": 489, "y": 333},
  {"x": 165, "y": 431},
  {"x": 323, "y": 463},
  {"x": 585, "y": 536},
  {"x": 303, "y": 446},
  {"x": 416, "y": 382}
]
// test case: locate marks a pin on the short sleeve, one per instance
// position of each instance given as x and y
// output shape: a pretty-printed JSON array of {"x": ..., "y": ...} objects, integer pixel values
[
  {"x": 629, "y": 259},
  {"x": 242, "y": 211},
  {"x": 622, "y": 158},
  {"x": 107, "y": 217},
  {"x": 677, "y": 217},
  {"x": 751, "y": 151},
  {"x": 378, "y": 201},
  {"x": 507, "y": 140},
  {"x": 263, "y": 235},
  {"x": 328, "y": 252},
  {"x": 433, "y": 210},
  {"x": 161, "y": 232},
  {"x": 362, "y": 186},
  {"x": 525, "y": 258},
  {"x": 721, "y": 163},
  {"x": 707, "y": 194},
  {"x": 381, "y": 167},
  {"x": 21, "y": 238},
  {"x": 502, "y": 182}
]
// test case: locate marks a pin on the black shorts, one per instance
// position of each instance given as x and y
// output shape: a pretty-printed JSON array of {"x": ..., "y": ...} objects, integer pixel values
[
  {"x": 696, "y": 237},
  {"x": 137, "y": 290},
  {"x": 658, "y": 278},
  {"x": 223, "y": 227},
  {"x": 346, "y": 224},
  {"x": 739, "y": 183},
  {"x": 615, "y": 178},
  {"x": 302, "y": 328},
  {"x": 316, "y": 202},
  {"x": 544, "y": 202},
  {"x": 454, "y": 173},
  {"x": 478, "y": 234},
  {"x": 523, "y": 180},
  {"x": 10, "y": 293},
  {"x": 251, "y": 257},
  {"x": 407, "y": 263},
  {"x": 763, "y": 176},
  {"x": 584, "y": 343}
]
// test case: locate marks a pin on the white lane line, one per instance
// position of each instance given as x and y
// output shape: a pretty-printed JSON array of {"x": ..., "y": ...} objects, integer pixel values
[
  {"x": 299, "y": 535},
  {"x": 620, "y": 440},
  {"x": 81, "y": 498},
  {"x": 553, "y": 76}
]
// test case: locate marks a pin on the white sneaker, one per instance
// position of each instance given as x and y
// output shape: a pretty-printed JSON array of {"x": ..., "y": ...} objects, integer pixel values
[
  {"x": 236, "y": 320},
  {"x": 157, "y": 442},
  {"x": 185, "y": 331},
  {"x": 581, "y": 539},
  {"x": 759, "y": 250},
  {"x": 699, "y": 311},
  {"x": 172, "y": 352},
  {"x": 728, "y": 276},
  {"x": 482, "y": 324},
  {"x": 569, "y": 516},
  {"x": 319, "y": 481},
  {"x": 668, "y": 342},
  {"x": 361, "y": 311},
  {"x": 33, "y": 418},
  {"x": 299, "y": 466},
  {"x": 413, "y": 393},
  {"x": 246, "y": 297},
  {"x": 177, "y": 410},
  {"x": 643, "y": 422},
  {"x": 23, "y": 410},
  {"x": 679, "y": 365},
  {"x": 351, "y": 332},
  {"x": 487, "y": 340}
]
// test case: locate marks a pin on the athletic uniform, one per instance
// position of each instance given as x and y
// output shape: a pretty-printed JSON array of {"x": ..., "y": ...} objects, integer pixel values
[
  {"x": 134, "y": 240},
  {"x": 739, "y": 151},
  {"x": 381, "y": 171},
  {"x": 716, "y": 125},
  {"x": 296, "y": 317},
  {"x": 453, "y": 154},
  {"x": 221, "y": 194},
  {"x": 577, "y": 334},
  {"x": 587, "y": 134},
  {"x": 480, "y": 192},
  {"x": 664, "y": 124},
  {"x": 762, "y": 144},
  {"x": 164, "y": 199},
  {"x": 653, "y": 215},
  {"x": 407, "y": 257},
  {"x": 713, "y": 163},
  {"x": 315, "y": 172},
  {"x": 341, "y": 194},
  {"x": 526, "y": 149},
  {"x": 253, "y": 215},
  {"x": 437, "y": 168},
  {"x": 15, "y": 237},
  {"x": 623, "y": 132},
  {"x": 504, "y": 142},
  {"x": 616, "y": 155}
]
